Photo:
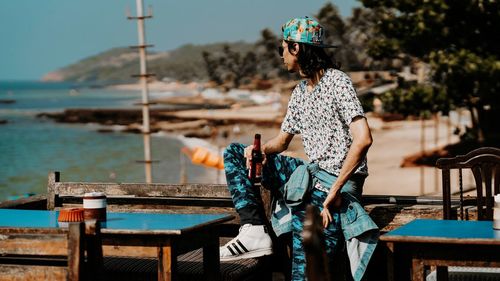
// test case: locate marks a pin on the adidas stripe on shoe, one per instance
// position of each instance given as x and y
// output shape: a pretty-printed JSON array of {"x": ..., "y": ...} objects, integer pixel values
[{"x": 252, "y": 241}]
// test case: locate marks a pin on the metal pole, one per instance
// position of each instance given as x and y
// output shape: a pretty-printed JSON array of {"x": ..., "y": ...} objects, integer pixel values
[{"x": 145, "y": 100}]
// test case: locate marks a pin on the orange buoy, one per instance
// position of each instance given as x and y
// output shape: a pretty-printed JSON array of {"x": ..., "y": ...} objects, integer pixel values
[{"x": 202, "y": 156}]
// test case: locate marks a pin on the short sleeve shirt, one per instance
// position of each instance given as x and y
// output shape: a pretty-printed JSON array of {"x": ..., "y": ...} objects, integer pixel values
[{"x": 322, "y": 117}]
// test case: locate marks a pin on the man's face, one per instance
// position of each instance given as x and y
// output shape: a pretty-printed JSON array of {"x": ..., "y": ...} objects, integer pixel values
[{"x": 290, "y": 56}]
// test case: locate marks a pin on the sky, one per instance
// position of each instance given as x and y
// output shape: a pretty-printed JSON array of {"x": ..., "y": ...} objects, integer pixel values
[{"x": 41, "y": 36}]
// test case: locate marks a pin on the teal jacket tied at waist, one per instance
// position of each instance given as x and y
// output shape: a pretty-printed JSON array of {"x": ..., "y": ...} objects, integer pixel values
[{"x": 360, "y": 232}]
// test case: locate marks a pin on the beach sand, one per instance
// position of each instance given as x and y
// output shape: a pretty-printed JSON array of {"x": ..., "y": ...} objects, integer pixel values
[{"x": 392, "y": 142}]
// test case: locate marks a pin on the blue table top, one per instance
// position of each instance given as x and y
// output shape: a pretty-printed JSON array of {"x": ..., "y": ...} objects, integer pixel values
[
  {"x": 116, "y": 222},
  {"x": 446, "y": 230}
]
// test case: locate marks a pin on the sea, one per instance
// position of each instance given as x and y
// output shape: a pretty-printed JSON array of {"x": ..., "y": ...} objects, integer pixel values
[{"x": 31, "y": 147}]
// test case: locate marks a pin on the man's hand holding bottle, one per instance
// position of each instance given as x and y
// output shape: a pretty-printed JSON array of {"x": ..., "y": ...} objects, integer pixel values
[
  {"x": 255, "y": 160},
  {"x": 248, "y": 156}
]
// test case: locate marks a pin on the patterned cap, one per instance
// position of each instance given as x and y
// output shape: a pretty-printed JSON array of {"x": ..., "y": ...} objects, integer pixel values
[{"x": 304, "y": 30}]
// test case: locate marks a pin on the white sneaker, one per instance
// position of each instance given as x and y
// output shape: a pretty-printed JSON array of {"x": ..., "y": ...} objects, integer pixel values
[{"x": 252, "y": 241}]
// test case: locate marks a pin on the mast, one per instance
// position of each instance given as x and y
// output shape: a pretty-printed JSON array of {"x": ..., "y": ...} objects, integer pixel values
[{"x": 143, "y": 76}]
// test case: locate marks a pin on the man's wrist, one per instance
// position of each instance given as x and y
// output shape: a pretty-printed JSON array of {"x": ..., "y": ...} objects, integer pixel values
[
  {"x": 335, "y": 190},
  {"x": 263, "y": 149}
]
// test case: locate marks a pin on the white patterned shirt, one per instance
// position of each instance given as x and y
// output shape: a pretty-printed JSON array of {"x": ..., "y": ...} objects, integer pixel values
[{"x": 322, "y": 117}]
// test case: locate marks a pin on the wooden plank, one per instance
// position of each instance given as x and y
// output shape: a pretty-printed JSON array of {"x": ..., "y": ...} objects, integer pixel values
[
  {"x": 167, "y": 262},
  {"x": 32, "y": 273},
  {"x": 19, "y": 244},
  {"x": 129, "y": 251},
  {"x": 32, "y": 248},
  {"x": 38, "y": 201},
  {"x": 51, "y": 190},
  {"x": 76, "y": 251},
  {"x": 417, "y": 270},
  {"x": 155, "y": 201},
  {"x": 143, "y": 190}
]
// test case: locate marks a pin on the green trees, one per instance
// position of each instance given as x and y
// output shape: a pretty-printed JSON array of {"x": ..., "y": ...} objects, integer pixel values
[
  {"x": 235, "y": 66},
  {"x": 230, "y": 65},
  {"x": 351, "y": 34},
  {"x": 457, "y": 39},
  {"x": 269, "y": 64}
]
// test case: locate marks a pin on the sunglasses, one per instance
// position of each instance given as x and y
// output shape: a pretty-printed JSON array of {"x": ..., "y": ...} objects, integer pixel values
[{"x": 280, "y": 51}]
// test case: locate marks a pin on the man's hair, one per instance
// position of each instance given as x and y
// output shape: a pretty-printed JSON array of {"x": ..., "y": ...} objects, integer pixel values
[{"x": 312, "y": 58}]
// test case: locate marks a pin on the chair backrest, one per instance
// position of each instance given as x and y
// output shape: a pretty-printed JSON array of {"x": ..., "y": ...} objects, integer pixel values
[
  {"x": 24, "y": 248},
  {"x": 485, "y": 166},
  {"x": 314, "y": 246}
]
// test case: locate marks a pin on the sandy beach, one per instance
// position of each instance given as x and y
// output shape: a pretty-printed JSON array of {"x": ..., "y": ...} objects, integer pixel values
[{"x": 393, "y": 141}]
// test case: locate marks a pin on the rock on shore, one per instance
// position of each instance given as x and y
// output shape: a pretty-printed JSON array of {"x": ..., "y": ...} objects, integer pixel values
[{"x": 200, "y": 123}]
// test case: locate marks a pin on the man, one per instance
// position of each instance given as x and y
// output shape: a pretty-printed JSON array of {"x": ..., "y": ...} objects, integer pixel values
[{"x": 325, "y": 110}]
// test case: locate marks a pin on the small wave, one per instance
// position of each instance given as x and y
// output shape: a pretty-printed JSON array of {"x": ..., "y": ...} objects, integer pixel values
[
  {"x": 19, "y": 112},
  {"x": 100, "y": 127},
  {"x": 118, "y": 128},
  {"x": 93, "y": 125}
]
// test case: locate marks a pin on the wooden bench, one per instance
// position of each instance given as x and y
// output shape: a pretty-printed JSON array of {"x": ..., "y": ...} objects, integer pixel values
[{"x": 26, "y": 254}]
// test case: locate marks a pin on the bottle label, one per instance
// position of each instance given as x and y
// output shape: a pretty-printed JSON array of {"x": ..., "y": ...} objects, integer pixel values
[
  {"x": 255, "y": 172},
  {"x": 258, "y": 171}
]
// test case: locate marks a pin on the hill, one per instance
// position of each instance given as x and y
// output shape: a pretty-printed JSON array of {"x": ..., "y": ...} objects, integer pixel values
[{"x": 117, "y": 65}]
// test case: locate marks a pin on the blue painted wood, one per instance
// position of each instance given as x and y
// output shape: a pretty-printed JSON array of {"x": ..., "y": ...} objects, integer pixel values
[
  {"x": 447, "y": 229},
  {"x": 115, "y": 221}
]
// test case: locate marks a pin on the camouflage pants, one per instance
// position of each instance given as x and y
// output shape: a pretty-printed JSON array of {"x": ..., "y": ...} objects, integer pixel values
[
  {"x": 332, "y": 235},
  {"x": 276, "y": 173}
]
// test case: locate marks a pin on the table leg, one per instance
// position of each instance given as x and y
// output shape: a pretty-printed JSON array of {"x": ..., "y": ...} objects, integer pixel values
[
  {"x": 167, "y": 262},
  {"x": 417, "y": 270},
  {"x": 211, "y": 257},
  {"x": 398, "y": 264},
  {"x": 441, "y": 273}
]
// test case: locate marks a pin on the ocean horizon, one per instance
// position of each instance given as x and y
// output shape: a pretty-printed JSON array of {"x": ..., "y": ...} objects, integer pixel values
[{"x": 31, "y": 147}]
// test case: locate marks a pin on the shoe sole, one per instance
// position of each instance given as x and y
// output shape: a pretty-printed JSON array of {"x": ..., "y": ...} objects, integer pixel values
[{"x": 249, "y": 255}]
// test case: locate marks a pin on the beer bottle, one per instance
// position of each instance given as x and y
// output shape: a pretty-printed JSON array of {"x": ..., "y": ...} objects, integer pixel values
[{"x": 255, "y": 172}]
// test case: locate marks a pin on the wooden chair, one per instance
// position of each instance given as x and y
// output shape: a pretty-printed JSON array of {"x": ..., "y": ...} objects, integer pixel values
[
  {"x": 51, "y": 254},
  {"x": 485, "y": 165}
]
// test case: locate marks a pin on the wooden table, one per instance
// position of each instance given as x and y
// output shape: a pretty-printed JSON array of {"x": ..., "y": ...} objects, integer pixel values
[
  {"x": 172, "y": 234},
  {"x": 424, "y": 242}
]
